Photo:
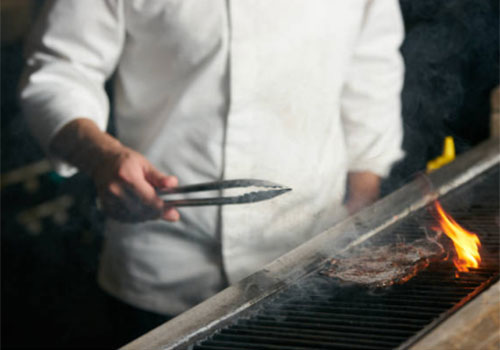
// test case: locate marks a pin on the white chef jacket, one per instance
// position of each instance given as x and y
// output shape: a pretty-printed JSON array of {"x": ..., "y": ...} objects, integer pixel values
[{"x": 297, "y": 92}]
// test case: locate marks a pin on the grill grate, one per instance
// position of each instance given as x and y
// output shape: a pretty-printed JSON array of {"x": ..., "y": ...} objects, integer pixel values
[{"x": 322, "y": 313}]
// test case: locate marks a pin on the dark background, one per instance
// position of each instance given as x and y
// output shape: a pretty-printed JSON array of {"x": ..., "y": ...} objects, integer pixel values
[{"x": 49, "y": 259}]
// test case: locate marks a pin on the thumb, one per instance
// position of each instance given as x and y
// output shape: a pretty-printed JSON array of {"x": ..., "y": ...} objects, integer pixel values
[{"x": 160, "y": 180}]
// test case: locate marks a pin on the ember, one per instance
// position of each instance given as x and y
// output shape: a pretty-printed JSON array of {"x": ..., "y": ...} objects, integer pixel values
[{"x": 466, "y": 243}]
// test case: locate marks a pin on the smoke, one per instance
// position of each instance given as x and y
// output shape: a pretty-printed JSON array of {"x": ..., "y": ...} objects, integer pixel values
[{"x": 452, "y": 64}]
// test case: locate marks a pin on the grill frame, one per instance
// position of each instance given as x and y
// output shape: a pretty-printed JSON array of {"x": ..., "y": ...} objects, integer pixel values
[
  {"x": 474, "y": 326},
  {"x": 309, "y": 308},
  {"x": 218, "y": 311}
]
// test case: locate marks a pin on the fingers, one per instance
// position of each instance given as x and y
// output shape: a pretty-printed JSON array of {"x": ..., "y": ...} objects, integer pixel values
[
  {"x": 120, "y": 203},
  {"x": 170, "y": 214},
  {"x": 134, "y": 200},
  {"x": 127, "y": 189},
  {"x": 145, "y": 193},
  {"x": 114, "y": 203},
  {"x": 140, "y": 198},
  {"x": 160, "y": 180},
  {"x": 124, "y": 205}
]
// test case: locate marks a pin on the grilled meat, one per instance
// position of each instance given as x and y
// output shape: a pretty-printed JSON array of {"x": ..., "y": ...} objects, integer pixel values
[{"x": 382, "y": 266}]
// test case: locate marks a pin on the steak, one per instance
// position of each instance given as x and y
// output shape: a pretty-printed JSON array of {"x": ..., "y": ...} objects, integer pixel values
[{"x": 382, "y": 266}]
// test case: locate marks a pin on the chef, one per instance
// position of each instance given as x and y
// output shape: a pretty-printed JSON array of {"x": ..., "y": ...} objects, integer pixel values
[{"x": 301, "y": 93}]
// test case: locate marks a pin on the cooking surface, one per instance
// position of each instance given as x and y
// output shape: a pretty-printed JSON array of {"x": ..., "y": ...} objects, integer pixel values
[{"x": 326, "y": 313}]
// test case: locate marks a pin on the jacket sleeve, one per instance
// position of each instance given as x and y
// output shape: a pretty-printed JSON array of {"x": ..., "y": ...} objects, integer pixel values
[
  {"x": 371, "y": 103},
  {"x": 73, "y": 49}
]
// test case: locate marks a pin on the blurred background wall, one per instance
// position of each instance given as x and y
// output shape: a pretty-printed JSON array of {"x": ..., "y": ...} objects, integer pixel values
[
  {"x": 451, "y": 56},
  {"x": 50, "y": 229}
]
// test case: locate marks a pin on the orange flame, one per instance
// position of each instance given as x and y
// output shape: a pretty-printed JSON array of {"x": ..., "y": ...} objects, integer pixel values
[{"x": 466, "y": 243}]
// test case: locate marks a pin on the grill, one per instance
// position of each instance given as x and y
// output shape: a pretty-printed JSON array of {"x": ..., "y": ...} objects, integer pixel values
[
  {"x": 322, "y": 313},
  {"x": 351, "y": 318},
  {"x": 289, "y": 305}
]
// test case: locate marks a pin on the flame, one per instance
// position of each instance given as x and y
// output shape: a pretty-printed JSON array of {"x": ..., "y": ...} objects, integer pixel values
[{"x": 466, "y": 243}]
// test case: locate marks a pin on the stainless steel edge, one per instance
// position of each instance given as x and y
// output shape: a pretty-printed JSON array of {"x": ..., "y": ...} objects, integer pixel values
[
  {"x": 475, "y": 326},
  {"x": 202, "y": 319}
]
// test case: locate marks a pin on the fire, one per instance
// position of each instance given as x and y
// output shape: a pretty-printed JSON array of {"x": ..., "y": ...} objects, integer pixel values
[{"x": 466, "y": 243}]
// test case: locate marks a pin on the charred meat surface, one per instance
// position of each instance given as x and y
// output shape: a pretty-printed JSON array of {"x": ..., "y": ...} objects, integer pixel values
[{"x": 382, "y": 266}]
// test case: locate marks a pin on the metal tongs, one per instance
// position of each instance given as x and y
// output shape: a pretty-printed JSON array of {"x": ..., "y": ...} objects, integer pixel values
[{"x": 269, "y": 190}]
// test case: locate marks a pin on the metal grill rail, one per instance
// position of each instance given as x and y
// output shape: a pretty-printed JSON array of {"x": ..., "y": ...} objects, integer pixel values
[{"x": 322, "y": 313}]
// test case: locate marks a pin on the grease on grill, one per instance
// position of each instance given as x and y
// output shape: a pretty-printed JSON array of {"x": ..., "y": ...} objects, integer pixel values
[{"x": 382, "y": 266}]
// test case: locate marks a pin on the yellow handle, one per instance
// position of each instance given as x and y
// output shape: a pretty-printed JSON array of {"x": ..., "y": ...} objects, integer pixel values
[{"x": 445, "y": 158}]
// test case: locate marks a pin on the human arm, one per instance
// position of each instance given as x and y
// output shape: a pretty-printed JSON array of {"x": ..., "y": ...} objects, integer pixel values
[
  {"x": 363, "y": 189},
  {"x": 73, "y": 50},
  {"x": 371, "y": 106},
  {"x": 125, "y": 180}
]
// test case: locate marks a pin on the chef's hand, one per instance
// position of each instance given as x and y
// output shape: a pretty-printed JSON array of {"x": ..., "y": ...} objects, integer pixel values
[
  {"x": 125, "y": 180},
  {"x": 126, "y": 185},
  {"x": 363, "y": 190}
]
